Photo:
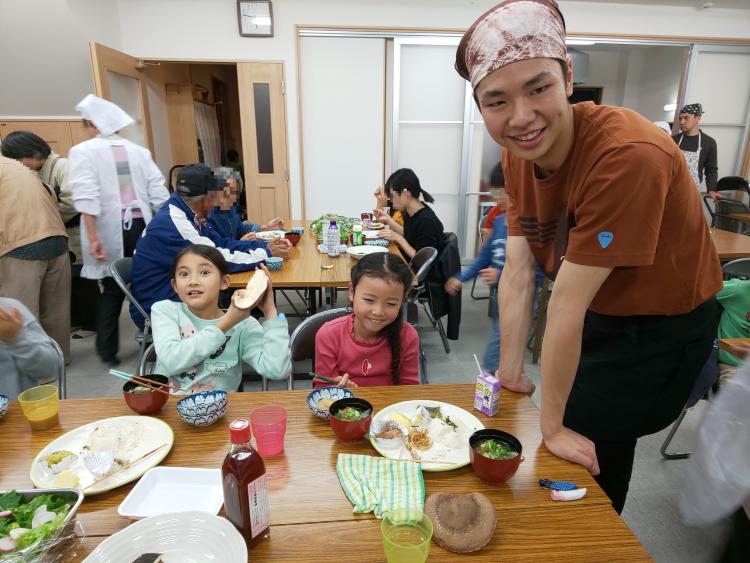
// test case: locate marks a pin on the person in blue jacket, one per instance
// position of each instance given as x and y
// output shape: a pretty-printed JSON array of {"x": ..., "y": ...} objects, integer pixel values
[
  {"x": 488, "y": 265},
  {"x": 180, "y": 223},
  {"x": 225, "y": 217}
]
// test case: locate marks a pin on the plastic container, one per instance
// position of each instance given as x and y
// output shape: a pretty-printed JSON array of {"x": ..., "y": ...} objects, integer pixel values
[
  {"x": 406, "y": 540},
  {"x": 269, "y": 428},
  {"x": 40, "y": 406}
]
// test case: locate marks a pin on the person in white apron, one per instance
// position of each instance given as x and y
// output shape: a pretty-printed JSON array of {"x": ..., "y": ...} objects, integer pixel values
[
  {"x": 698, "y": 148},
  {"x": 116, "y": 187}
]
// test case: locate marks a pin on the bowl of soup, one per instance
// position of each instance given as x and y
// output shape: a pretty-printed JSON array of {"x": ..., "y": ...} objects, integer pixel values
[
  {"x": 144, "y": 400},
  {"x": 350, "y": 418},
  {"x": 495, "y": 455}
]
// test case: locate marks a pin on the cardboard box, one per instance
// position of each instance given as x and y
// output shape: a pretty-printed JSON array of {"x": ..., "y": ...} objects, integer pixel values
[{"x": 487, "y": 394}]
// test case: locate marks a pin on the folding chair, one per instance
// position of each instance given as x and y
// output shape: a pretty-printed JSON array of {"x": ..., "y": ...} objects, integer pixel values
[
  {"x": 420, "y": 264},
  {"x": 121, "y": 270},
  {"x": 61, "y": 376},
  {"x": 302, "y": 340},
  {"x": 723, "y": 211},
  {"x": 739, "y": 268}
]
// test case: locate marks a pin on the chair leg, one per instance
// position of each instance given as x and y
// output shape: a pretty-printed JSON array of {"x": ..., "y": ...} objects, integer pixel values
[
  {"x": 288, "y": 300},
  {"x": 263, "y": 383},
  {"x": 670, "y": 455},
  {"x": 476, "y": 297},
  {"x": 422, "y": 366},
  {"x": 443, "y": 337},
  {"x": 62, "y": 383}
]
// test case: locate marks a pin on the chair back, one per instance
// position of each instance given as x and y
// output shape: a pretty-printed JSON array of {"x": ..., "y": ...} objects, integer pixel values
[
  {"x": 61, "y": 377},
  {"x": 726, "y": 207},
  {"x": 422, "y": 261},
  {"x": 733, "y": 183},
  {"x": 737, "y": 269},
  {"x": 302, "y": 340},
  {"x": 121, "y": 270}
]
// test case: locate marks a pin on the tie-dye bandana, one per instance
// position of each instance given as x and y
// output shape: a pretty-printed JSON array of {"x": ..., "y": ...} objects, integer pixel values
[{"x": 512, "y": 31}]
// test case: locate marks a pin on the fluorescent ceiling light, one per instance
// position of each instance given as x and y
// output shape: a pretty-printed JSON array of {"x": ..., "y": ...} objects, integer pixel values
[
  {"x": 579, "y": 42},
  {"x": 670, "y": 107}
]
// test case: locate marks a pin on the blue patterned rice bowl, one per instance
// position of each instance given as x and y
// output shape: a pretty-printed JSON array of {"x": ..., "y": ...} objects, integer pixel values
[
  {"x": 204, "y": 408},
  {"x": 333, "y": 393},
  {"x": 274, "y": 263},
  {"x": 3, "y": 405}
]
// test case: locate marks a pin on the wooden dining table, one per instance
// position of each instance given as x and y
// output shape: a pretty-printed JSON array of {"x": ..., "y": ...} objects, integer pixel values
[
  {"x": 729, "y": 245},
  {"x": 312, "y": 519},
  {"x": 307, "y": 268}
]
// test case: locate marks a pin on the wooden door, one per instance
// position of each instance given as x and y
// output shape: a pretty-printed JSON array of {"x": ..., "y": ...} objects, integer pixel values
[
  {"x": 120, "y": 78},
  {"x": 56, "y": 133},
  {"x": 263, "y": 120}
]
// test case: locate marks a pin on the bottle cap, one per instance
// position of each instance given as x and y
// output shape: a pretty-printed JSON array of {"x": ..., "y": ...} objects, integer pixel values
[
  {"x": 357, "y": 228},
  {"x": 239, "y": 431}
]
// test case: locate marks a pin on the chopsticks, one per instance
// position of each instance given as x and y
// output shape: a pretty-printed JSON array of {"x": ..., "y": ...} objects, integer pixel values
[
  {"x": 141, "y": 381},
  {"x": 123, "y": 467},
  {"x": 316, "y": 376},
  {"x": 425, "y": 461}
]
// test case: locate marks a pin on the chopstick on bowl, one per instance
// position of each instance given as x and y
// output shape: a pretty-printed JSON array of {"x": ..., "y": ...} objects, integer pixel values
[
  {"x": 316, "y": 376},
  {"x": 141, "y": 382},
  {"x": 443, "y": 462},
  {"x": 123, "y": 467}
]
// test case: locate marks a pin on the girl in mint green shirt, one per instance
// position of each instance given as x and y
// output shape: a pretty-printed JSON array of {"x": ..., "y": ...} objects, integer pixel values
[{"x": 199, "y": 346}]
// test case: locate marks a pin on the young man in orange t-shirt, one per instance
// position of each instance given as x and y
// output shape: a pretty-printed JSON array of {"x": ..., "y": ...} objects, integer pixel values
[{"x": 604, "y": 202}]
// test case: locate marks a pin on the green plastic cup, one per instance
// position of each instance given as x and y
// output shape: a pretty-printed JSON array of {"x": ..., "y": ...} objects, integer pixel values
[{"x": 406, "y": 536}]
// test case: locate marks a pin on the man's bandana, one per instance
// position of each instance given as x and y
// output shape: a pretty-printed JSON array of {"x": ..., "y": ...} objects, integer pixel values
[
  {"x": 512, "y": 31},
  {"x": 692, "y": 109}
]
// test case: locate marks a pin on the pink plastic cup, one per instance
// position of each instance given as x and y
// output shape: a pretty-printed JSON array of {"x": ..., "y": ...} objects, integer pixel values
[{"x": 269, "y": 427}]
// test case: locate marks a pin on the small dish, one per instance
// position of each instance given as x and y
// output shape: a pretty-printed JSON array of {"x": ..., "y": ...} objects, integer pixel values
[
  {"x": 494, "y": 471},
  {"x": 331, "y": 393},
  {"x": 174, "y": 489},
  {"x": 324, "y": 248},
  {"x": 292, "y": 237},
  {"x": 299, "y": 230},
  {"x": 358, "y": 252},
  {"x": 3, "y": 405},
  {"x": 147, "y": 402},
  {"x": 350, "y": 430},
  {"x": 274, "y": 263},
  {"x": 388, "y": 425},
  {"x": 204, "y": 408}
]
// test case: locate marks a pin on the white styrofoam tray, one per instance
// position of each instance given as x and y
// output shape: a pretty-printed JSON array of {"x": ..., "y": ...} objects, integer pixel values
[{"x": 174, "y": 489}]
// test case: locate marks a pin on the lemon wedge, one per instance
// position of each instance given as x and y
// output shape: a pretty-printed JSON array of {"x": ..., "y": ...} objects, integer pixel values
[
  {"x": 65, "y": 480},
  {"x": 399, "y": 418}
]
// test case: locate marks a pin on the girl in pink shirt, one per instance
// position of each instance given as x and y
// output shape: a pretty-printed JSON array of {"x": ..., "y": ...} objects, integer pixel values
[{"x": 372, "y": 346}]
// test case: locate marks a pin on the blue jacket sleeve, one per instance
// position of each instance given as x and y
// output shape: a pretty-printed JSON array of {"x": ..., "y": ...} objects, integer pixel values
[{"x": 484, "y": 259}]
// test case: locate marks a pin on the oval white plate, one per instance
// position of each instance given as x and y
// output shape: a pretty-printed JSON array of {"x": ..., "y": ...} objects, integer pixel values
[
  {"x": 185, "y": 537},
  {"x": 360, "y": 251},
  {"x": 268, "y": 235},
  {"x": 467, "y": 423},
  {"x": 152, "y": 431}
]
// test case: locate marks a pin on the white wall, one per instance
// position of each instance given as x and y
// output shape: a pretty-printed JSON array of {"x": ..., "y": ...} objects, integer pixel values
[
  {"x": 51, "y": 77},
  {"x": 607, "y": 69},
  {"x": 44, "y": 66},
  {"x": 653, "y": 81}
]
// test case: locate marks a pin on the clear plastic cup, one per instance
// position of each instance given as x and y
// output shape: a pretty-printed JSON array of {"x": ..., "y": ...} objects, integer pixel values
[
  {"x": 40, "y": 406},
  {"x": 406, "y": 536},
  {"x": 269, "y": 427}
]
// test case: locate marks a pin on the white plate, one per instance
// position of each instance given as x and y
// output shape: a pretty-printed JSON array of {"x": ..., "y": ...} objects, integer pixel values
[
  {"x": 467, "y": 424},
  {"x": 371, "y": 234},
  {"x": 174, "y": 489},
  {"x": 186, "y": 537},
  {"x": 360, "y": 251},
  {"x": 146, "y": 432},
  {"x": 268, "y": 235}
]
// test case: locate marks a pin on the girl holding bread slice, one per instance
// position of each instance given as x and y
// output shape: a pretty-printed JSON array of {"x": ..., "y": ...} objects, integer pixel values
[{"x": 201, "y": 347}]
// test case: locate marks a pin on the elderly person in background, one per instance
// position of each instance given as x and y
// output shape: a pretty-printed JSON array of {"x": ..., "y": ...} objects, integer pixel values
[
  {"x": 116, "y": 188},
  {"x": 33, "y": 151},
  {"x": 34, "y": 263},
  {"x": 27, "y": 357},
  {"x": 225, "y": 217}
]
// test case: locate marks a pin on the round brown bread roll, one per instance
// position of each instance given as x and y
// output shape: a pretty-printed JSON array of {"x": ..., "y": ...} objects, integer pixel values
[
  {"x": 247, "y": 298},
  {"x": 461, "y": 523}
]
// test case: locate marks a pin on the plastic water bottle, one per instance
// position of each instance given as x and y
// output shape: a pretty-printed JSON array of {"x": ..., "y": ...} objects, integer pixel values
[{"x": 334, "y": 239}]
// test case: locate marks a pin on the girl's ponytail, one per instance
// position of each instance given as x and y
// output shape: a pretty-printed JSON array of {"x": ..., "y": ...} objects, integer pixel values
[{"x": 427, "y": 197}]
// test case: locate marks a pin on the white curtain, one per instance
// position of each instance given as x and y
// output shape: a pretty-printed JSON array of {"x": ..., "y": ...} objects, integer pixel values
[{"x": 207, "y": 126}]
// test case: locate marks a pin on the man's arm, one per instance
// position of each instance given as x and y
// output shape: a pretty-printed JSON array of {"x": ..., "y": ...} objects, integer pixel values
[
  {"x": 515, "y": 295},
  {"x": 575, "y": 288}
]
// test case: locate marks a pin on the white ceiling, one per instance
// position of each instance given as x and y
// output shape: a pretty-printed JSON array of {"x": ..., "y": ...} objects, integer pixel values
[{"x": 729, "y": 4}]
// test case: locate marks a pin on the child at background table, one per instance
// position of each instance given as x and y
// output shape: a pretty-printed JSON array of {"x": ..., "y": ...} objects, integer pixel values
[
  {"x": 201, "y": 347},
  {"x": 372, "y": 346}
]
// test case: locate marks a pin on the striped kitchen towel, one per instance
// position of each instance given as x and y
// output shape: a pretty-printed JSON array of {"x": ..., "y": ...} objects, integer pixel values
[{"x": 376, "y": 484}]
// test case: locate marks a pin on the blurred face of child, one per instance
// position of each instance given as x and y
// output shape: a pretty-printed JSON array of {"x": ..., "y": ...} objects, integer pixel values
[
  {"x": 376, "y": 303},
  {"x": 197, "y": 282}
]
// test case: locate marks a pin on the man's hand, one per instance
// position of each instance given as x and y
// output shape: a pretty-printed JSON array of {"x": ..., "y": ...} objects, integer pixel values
[
  {"x": 280, "y": 247},
  {"x": 248, "y": 236},
  {"x": 490, "y": 276},
  {"x": 572, "y": 446},
  {"x": 520, "y": 385},
  {"x": 453, "y": 286},
  {"x": 716, "y": 196},
  {"x": 11, "y": 323},
  {"x": 276, "y": 224},
  {"x": 97, "y": 250}
]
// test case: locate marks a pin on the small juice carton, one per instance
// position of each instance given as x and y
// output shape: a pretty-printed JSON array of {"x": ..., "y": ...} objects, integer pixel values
[{"x": 487, "y": 394}]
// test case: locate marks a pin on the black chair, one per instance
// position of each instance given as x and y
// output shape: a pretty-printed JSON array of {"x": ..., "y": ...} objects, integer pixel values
[
  {"x": 733, "y": 183},
  {"x": 726, "y": 207},
  {"x": 708, "y": 201},
  {"x": 121, "y": 270},
  {"x": 421, "y": 264},
  {"x": 737, "y": 269},
  {"x": 302, "y": 340}
]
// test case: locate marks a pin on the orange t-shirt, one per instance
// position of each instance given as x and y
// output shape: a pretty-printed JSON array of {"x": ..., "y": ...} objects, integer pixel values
[{"x": 623, "y": 198}]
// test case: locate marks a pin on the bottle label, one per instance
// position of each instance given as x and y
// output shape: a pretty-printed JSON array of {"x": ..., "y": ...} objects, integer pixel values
[{"x": 257, "y": 496}]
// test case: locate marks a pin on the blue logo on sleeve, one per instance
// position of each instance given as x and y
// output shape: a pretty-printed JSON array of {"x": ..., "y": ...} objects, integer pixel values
[{"x": 605, "y": 238}]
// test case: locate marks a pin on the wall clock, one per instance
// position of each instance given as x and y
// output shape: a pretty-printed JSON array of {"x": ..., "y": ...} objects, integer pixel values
[{"x": 255, "y": 18}]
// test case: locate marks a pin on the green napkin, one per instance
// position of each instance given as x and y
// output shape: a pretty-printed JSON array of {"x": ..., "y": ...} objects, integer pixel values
[{"x": 381, "y": 485}]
